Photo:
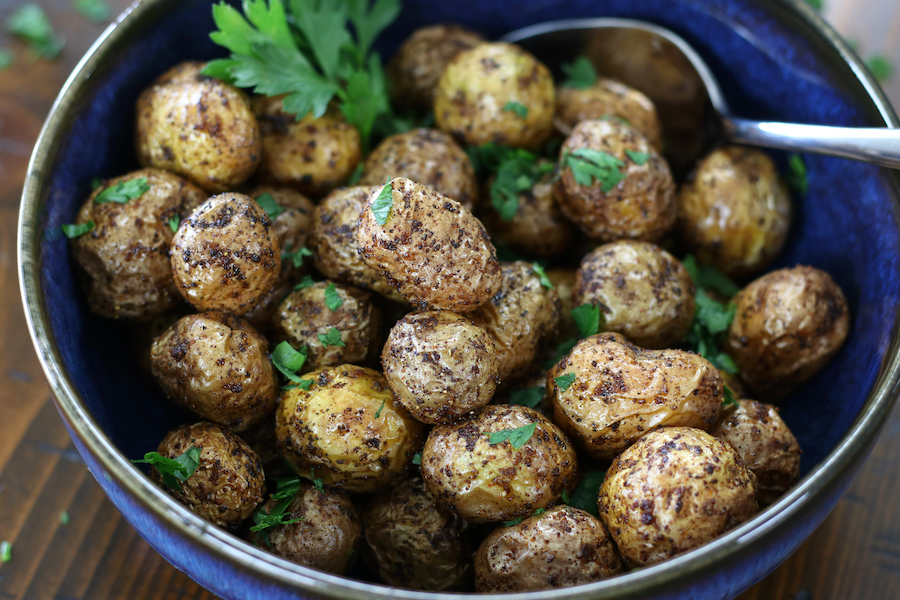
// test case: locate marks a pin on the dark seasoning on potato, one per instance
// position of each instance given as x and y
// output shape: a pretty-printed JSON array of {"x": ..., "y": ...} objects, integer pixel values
[{"x": 422, "y": 395}]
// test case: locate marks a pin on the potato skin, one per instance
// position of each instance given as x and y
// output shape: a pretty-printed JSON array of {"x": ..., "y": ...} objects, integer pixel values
[
  {"x": 440, "y": 365},
  {"x": 228, "y": 483},
  {"x": 763, "y": 441},
  {"x": 431, "y": 249},
  {"x": 476, "y": 86},
  {"x": 643, "y": 291},
  {"x": 560, "y": 548},
  {"x": 675, "y": 489},
  {"x": 126, "y": 255},
  {"x": 217, "y": 366},
  {"x": 413, "y": 542},
  {"x": 226, "y": 255},
  {"x": 331, "y": 429},
  {"x": 788, "y": 324},
  {"x": 428, "y": 157},
  {"x": 198, "y": 127},
  {"x": 621, "y": 392},
  {"x": 734, "y": 211},
  {"x": 488, "y": 483}
]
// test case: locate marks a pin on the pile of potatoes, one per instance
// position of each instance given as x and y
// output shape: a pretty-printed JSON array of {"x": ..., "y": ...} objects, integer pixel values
[{"x": 403, "y": 424}]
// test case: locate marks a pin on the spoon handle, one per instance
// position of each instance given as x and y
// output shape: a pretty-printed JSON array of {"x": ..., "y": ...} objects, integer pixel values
[{"x": 876, "y": 145}]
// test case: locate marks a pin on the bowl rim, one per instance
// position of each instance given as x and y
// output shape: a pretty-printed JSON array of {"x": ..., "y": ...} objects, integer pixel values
[{"x": 228, "y": 548}]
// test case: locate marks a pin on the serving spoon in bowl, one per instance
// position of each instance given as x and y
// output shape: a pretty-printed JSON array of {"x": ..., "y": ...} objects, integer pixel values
[{"x": 663, "y": 66}]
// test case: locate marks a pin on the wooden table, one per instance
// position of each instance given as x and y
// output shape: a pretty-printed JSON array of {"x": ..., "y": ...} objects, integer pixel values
[{"x": 854, "y": 554}]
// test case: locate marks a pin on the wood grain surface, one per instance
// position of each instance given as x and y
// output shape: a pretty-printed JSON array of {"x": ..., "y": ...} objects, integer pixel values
[{"x": 854, "y": 554}]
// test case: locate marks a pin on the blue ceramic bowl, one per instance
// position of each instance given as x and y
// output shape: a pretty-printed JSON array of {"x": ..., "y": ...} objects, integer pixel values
[{"x": 775, "y": 59}]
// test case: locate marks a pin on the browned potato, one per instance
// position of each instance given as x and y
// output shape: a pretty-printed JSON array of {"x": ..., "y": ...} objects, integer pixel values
[
  {"x": 427, "y": 156},
  {"x": 325, "y": 536},
  {"x": 488, "y": 482},
  {"x": 312, "y": 155},
  {"x": 347, "y": 429},
  {"x": 413, "y": 542},
  {"x": 734, "y": 211},
  {"x": 788, "y": 324},
  {"x": 559, "y": 548},
  {"x": 440, "y": 365},
  {"x": 521, "y": 315},
  {"x": 608, "y": 99},
  {"x": 621, "y": 392},
  {"x": 198, "y": 127},
  {"x": 675, "y": 489},
  {"x": 478, "y": 97},
  {"x": 226, "y": 256},
  {"x": 229, "y": 481},
  {"x": 765, "y": 444},
  {"x": 216, "y": 365},
  {"x": 431, "y": 249},
  {"x": 126, "y": 255},
  {"x": 415, "y": 68},
  {"x": 643, "y": 291},
  {"x": 640, "y": 206},
  {"x": 304, "y": 319}
]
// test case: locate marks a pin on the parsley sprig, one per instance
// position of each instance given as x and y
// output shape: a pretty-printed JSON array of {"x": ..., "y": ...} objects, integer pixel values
[
  {"x": 590, "y": 320},
  {"x": 517, "y": 172},
  {"x": 332, "y": 338},
  {"x": 74, "y": 230},
  {"x": 589, "y": 166},
  {"x": 123, "y": 191},
  {"x": 173, "y": 470},
  {"x": 296, "y": 257},
  {"x": 30, "y": 23},
  {"x": 797, "y": 176},
  {"x": 580, "y": 73},
  {"x": 289, "y": 361},
  {"x": 711, "y": 318},
  {"x": 264, "y": 520},
  {"x": 585, "y": 495},
  {"x": 518, "y": 437},
  {"x": 529, "y": 397}
]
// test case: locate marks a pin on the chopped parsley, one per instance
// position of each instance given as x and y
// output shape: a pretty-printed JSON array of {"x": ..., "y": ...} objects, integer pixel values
[
  {"x": 512, "y": 522},
  {"x": 173, "y": 470},
  {"x": 174, "y": 222},
  {"x": 585, "y": 495},
  {"x": 518, "y": 437},
  {"x": 286, "y": 487},
  {"x": 518, "y": 108},
  {"x": 296, "y": 257},
  {"x": 356, "y": 174},
  {"x": 6, "y": 58},
  {"x": 30, "y": 23},
  {"x": 95, "y": 11},
  {"x": 5, "y": 552},
  {"x": 267, "y": 202},
  {"x": 289, "y": 361},
  {"x": 264, "y": 520},
  {"x": 332, "y": 298},
  {"x": 564, "y": 381},
  {"x": 580, "y": 73},
  {"x": 332, "y": 338},
  {"x": 384, "y": 203},
  {"x": 542, "y": 275},
  {"x": 73, "y": 231},
  {"x": 64, "y": 518},
  {"x": 417, "y": 458},
  {"x": 708, "y": 277},
  {"x": 305, "y": 283},
  {"x": 317, "y": 483},
  {"x": 882, "y": 68},
  {"x": 380, "y": 408},
  {"x": 565, "y": 497},
  {"x": 96, "y": 182},
  {"x": 797, "y": 176},
  {"x": 517, "y": 171},
  {"x": 711, "y": 317},
  {"x": 529, "y": 397},
  {"x": 589, "y": 166},
  {"x": 638, "y": 158},
  {"x": 589, "y": 319},
  {"x": 303, "y": 384},
  {"x": 728, "y": 399},
  {"x": 123, "y": 191}
]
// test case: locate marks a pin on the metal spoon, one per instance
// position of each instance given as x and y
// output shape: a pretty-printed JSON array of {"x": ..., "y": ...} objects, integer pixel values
[{"x": 666, "y": 68}]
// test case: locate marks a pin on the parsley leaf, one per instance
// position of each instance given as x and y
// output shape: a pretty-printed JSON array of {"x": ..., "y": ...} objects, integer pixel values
[
  {"x": 267, "y": 202},
  {"x": 797, "y": 176},
  {"x": 542, "y": 275},
  {"x": 289, "y": 361},
  {"x": 588, "y": 319},
  {"x": 380, "y": 408},
  {"x": 881, "y": 67},
  {"x": 123, "y": 191},
  {"x": 263, "y": 519},
  {"x": 564, "y": 381},
  {"x": 6, "y": 58},
  {"x": 517, "y": 172},
  {"x": 286, "y": 487},
  {"x": 307, "y": 282},
  {"x": 356, "y": 174},
  {"x": 95, "y": 11},
  {"x": 417, "y": 458},
  {"x": 562, "y": 349},
  {"x": 585, "y": 495},
  {"x": 529, "y": 397},
  {"x": 73, "y": 231},
  {"x": 332, "y": 298},
  {"x": 639, "y": 158},
  {"x": 512, "y": 522},
  {"x": 173, "y": 470},
  {"x": 332, "y": 338},
  {"x": 565, "y": 497},
  {"x": 516, "y": 107},
  {"x": 296, "y": 257},
  {"x": 580, "y": 73},
  {"x": 518, "y": 437},
  {"x": 96, "y": 182},
  {"x": 589, "y": 165},
  {"x": 708, "y": 277},
  {"x": 711, "y": 317},
  {"x": 303, "y": 384},
  {"x": 174, "y": 222},
  {"x": 64, "y": 518},
  {"x": 383, "y": 203},
  {"x": 728, "y": 399},
  {"x": 30, "y": 23},
  {"x": 816, "y": 4},
  {"x": 5, "y": 552},
  {"x": 317, "y": 482}
]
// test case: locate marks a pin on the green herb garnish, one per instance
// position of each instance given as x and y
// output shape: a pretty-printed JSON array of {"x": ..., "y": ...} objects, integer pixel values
[
  {"x": 517, "y": 172},
  {"x": 881, "y": 67},
  {"x": 417, "y": 458},
  {"x": 5, "y": 552},
  {"x": 73, "y": 231},
  {"x": 639, "y": 158},
  {"x": 711, "y": 317},
  {"x": 95, "y": 11},
  {"x": 305, "y": 283},
  {"x": 64, "y": 518},
  {"x": 303, "y": 384},
  {"x": 6, "y": 58},
  {"x": 512, "y": 522},
  {"x": 383, "y": 204},
  {"x": 728, "y": 399},
  {"x": 518, "y": 437},
  {"x": 797, "y": 176},
  {"x": 264, "y": 520},
  {"x": 380, "y": 408},
  {"x": 96, "y": 182},
  {"x": 708, "y": 277},
  {"x": 529, "y": 397},
  {"x": 589, "y": 319},
  {"x": 30, "y": 23},
  {"x": 289, "y": 361},
  {"x": 564, "y": 381},
  {"x": 585, "y": 495},
  {"x": 173, "y": 470},
  {"x": 589, "y": 165},
  {"x": 580, "y": 73},
  {"x": 563, "y": 348},
  {"x": 296, "y": 257},
  {"x": 286, "y": 487},
  {"x": 174, "y": 222},
  {"x": 356, "y": 174},
  {"x": 565, "y": 497},
  {"x": 317, "y": 483},
  {"x": 332, "y": 298},
  {"x": 267, "y": 202},
  {"x": 123, "y": 191},
  {"x": 516, "y": 107},
  {"x": 542, "y": 275},
  {"x": 332, "y": 338}
]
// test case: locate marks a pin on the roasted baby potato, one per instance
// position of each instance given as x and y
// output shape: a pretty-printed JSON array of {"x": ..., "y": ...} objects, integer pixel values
[
  {"x": 559, "y": 548},
  {"x": 347, "y": 429},
  {"x": 198, "y": 127},
  {"x": 126, "y": 254},
  {"x": 413, "y": 542},
  {"x": 734, "y": 211},
  {"x": 428, "y": 157},
  {"x": 643, "y": 291},
  {"x": 226, "y": 255},
  {"x": 476, "y": 468},
  {"x": 228, "y": 482},
  {"x": 607, "y": 392},
  {"x": 675, "y": 489},
  {"x": 788, "y": 324},
  {"x": 311, "y": 155},
  {"x": 217, "y": 366},
  {"x": 498, "y": 93},
  {"x": 440, "y": 365},
  {"x": 431, "y": 249},
  {"x": 637, "y": 199}
]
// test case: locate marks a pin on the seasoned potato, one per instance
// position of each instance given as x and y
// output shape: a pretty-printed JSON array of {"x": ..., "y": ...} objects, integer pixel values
[
  {"x": 621, "y": 392},
  {"x": 559, "y": 548},
  {"x": 428, "y": 157},
  {"x": 480, "y": 95},
  {"x": 126, "y": 255},
  {"x": 765, "y": 444},
  {"x": 675, "y": 489},
  {"x": 312, "y": 155},
  {"x": 413, "y": 542},
  {"x": 226, "y": 256},
  {"x": 734, "y": 211},
  {"x": 325, "y": 536},
  {"x": 788, "y": 324},
  {"x": 608, "y": 99},
  {"x": 440, "y": 365},
  {"x": 488, "y": 482},
  {"x": 216, "y": 365},
  {"x": 519, "y": 317},
  {"x": 415, "y": 68},
  {"x": 228, "y": 482},
  {"x": 431, "y": 249},
  {"x": 198, "y": 127},
  {"x": 640, "y": 206},
  {"x": 304, "y": 319},
  {"x": 347, "y": 429},
  {"x": 643, "y": 291}
]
